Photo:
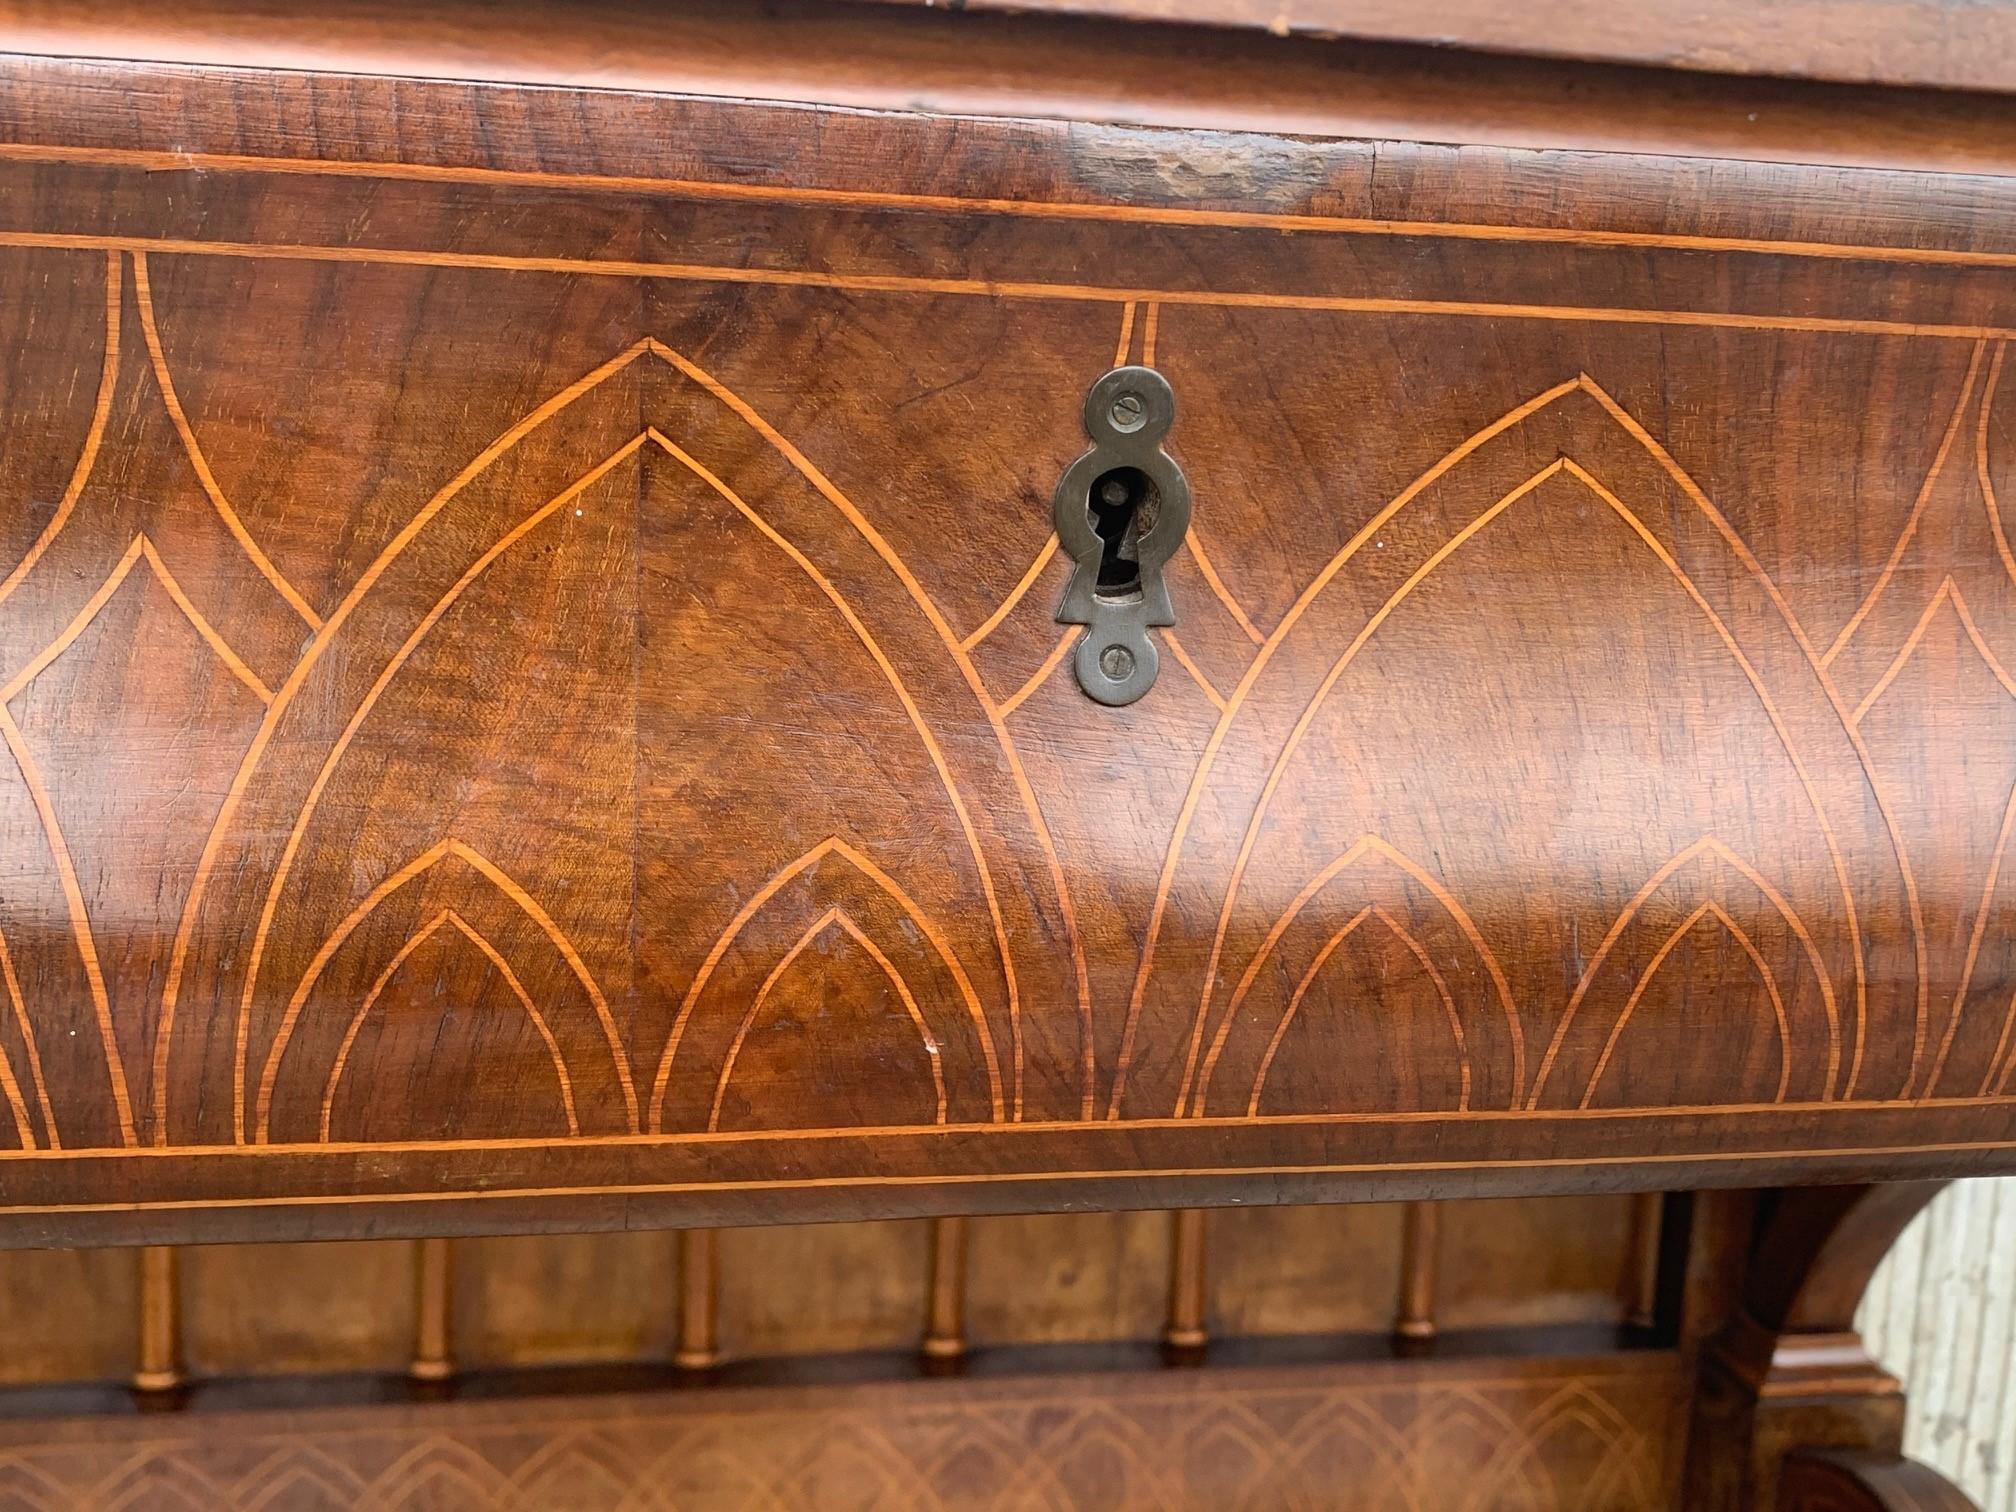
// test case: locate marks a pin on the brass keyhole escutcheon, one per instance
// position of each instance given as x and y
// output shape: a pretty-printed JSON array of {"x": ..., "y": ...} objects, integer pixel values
[{"x": 1121, "y": 510}]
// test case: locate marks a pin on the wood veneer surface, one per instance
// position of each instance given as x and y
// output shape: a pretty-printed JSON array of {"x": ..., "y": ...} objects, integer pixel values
[
  {"x": 1598, "y": 1433},
  {"x": 1074, "y": 69},
  {"x": 532, "y": 698},
  {"x": 1948, "y": 44}
]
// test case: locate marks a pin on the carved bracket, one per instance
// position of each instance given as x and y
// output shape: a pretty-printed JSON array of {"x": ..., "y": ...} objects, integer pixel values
[{"x": 1789, "y": 1380}]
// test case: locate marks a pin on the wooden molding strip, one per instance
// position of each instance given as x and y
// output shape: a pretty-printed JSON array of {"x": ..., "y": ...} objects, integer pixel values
[
  {"x": 1923, "y": 43},
  {"x": 1066, "y": 68}
]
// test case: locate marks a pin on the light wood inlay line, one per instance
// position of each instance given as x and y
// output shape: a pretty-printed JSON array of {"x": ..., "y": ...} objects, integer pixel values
[
  {"x": 835, "y": 847},
  {"x": 1763, "y": 1157},
  {"x": 18, "y": 1005},
  {"x": 298, "y": 1151},
  {"x": 143, "y": 296},
  {"x": 193, "y": 162},
  {"x": 1316, "y": 965},
  {"x": 834, "y": 918},
  {"x": 449, "y": 917},
  {"x": 926, "y": 736},
  {"x": 976, "y": 685},
  {"x": 1708, "y": 910},
  {"x": 326, "y": 770},
  {"x": 255, "y": 752},
  {"x": 1910, "y": 530},
  {"x": 868, "y": 283},
  {"x": 1850, "y": 913},
  {"x": 1989, "y": 500},
  {"x": 1975, "y": 936},
  {"x": 1365, "y": 846},
  {"x": 1201, "y": 772},
  {"x": 507, "y": 888},
  {"x": 1195, "y": 672},
  {"x": 1707, "y": 846},
  {"x": 79, "y": 921},
  {"x": 1949, "y": 594},
  {"x": 1015, "y": 595},
  {"x": 1914, "y": 908},
  {"x": 1041, "y": 675},
  {"x": 699, "y": 1346},
  {"x": 139, "y": 549},
  {"x": 101, "y": 408},
  {"x": 1219, "y": 591}
]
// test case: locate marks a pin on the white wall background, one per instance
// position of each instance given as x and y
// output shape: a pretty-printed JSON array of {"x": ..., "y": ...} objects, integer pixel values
[{"x": 1942, "y": 1314}]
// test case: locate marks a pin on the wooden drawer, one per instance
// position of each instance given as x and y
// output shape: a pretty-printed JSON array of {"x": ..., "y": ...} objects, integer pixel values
[{"x": 533, "y": 693}]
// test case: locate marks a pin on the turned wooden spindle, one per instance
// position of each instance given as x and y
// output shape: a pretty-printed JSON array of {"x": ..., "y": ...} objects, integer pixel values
[
  {"x": 1640, "y": 1286},
  {"x": 433, "y": 1311},
  {"x": 159, "y": 1363},
  {"x": 945, "y": 1291},
  {"x": 1185, "y": 1328},
  {"x": 699, "y": 1346},
  {"x": 1420, "y": 1257}
]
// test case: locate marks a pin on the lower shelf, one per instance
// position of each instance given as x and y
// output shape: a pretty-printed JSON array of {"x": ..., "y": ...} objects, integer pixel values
[{"x": 1590, "y": 1433}]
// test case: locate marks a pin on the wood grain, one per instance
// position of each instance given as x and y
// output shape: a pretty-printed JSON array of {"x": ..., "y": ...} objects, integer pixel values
[
  {"x": 1946, "y": 44},
  {"x": 1077, "y": 72},
  {"x": 1592, "y": 1433},
  {"x": 535, "y": 689},
  {"x": 1789, "y": 1373},
  {"x": 1861, "y": 1483}
]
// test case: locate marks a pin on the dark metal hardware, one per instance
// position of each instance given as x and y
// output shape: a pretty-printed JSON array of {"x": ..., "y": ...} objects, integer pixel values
[{"x": 1121, "y": 509}]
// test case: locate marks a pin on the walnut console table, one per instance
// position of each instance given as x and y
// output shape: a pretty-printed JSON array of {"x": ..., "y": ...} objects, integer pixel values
[{"x": 687, "y": 617}]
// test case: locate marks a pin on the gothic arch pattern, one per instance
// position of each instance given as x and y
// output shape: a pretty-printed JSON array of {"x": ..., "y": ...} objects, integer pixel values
[
  {"x": 835, "y": 918},
  {"x": 809, "y": 878},
  {"x": 448, "y": 918},
  {"x": 1449, "y": 1439},
  {"x": 1251, "y": 762},
  {"x": 688, "y": 702},
  {"x": 489, "y": 880},
  {"x": 1406, "y": 889},
  {"x": 1817, "y": 1044}
]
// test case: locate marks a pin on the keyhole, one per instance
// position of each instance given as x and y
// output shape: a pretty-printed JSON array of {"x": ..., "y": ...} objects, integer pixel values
[{"x": 1123, "y": 507}]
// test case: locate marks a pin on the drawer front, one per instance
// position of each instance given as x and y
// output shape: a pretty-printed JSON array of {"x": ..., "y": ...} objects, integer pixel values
[{"x": 527, "y": 683}]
